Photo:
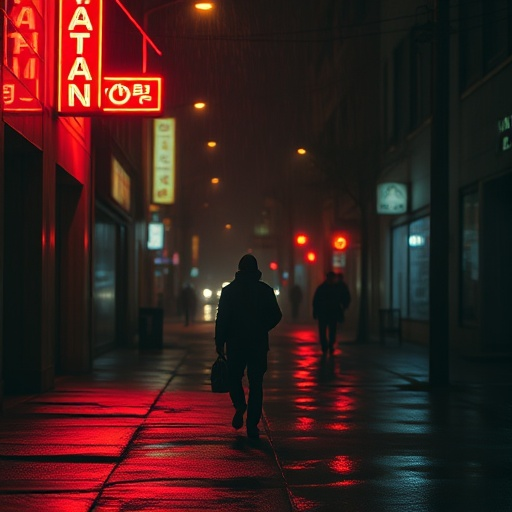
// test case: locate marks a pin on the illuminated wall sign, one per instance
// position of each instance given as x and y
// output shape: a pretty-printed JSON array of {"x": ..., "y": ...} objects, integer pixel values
[
  {"x": 80, "y": 56},
  {"x": 132, "y": 94},
  {"x": 82, "y": 87},
  {"x": 23, "y": 57},
  {"x": 121, "y": 185},
  {"x": 155, "y": 236},
  {"x": 163, "y": 160},
  {"x": 505, "y": 134},
  {"x": 339, "y": 259},
  {"x": 391, "y": 198}
]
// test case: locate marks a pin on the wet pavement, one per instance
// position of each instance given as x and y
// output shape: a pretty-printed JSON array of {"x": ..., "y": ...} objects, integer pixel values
[{"x": 356, "y": 431}]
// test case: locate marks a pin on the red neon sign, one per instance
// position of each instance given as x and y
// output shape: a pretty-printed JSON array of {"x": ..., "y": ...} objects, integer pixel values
[
  {"x": 132, "y": 94},
  {"x": 82, "y": 88},
  {"x": 80, "y": 57},
  {"x": 23, "y": 47}
]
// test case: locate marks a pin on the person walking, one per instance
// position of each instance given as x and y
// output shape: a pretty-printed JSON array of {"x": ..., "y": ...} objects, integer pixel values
[
  {"x": 247, "y": 311},
  {"x": 188, "y": 301},
  {"x": 329, "y": 303}
]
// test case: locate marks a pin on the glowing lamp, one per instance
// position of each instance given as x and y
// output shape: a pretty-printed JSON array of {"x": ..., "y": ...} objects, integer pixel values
[
  {"x": 273, "y": 265},
  {"x": 301, "y": 239},
  {"x": 340, "y": 242},
  {"x": 311, "y": 257}
]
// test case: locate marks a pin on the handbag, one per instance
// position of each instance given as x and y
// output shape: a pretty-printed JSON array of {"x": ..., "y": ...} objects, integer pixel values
[{"x": 219, "y": 377}]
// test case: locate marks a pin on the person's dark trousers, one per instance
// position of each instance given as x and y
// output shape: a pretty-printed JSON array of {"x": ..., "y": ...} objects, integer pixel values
[
  {"x": 256, "y": 365},
  {"x": 327, "y": 332}
]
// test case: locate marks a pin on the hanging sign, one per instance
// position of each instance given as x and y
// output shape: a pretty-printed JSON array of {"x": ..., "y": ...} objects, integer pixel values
[
  {"x": 83, "y": 89},
  {"x": 391, "y": 198},
  {"x": 132, "y": 94},
  {"x": 163, "y": 160},
  {"x": 23, "y": 56}
]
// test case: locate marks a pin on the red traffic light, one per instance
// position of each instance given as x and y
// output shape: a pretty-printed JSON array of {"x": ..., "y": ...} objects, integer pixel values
[
  {"x": 273, "y": 265},
  {"x": 340, "y": 242},
  {"x": 301, "y": 239},
  {"x": 311, "y": 256}
]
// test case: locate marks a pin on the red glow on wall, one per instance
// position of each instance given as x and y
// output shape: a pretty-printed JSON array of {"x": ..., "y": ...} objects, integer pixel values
[
  {"x": 132, "y": 94},
  {"x": 80, "y": 56}
]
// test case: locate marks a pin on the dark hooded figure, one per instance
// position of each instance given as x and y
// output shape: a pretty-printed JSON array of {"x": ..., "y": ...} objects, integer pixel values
[
  {"x": 247, "y": 311},
  {"x": 330, "y": 300}
]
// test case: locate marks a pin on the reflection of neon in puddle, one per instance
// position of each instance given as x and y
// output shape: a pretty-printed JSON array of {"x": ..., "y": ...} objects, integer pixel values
[
  {"x": 304, "y": 423},
  {"x": 342, "y": 464},
  {"x": 338, "y": 426}
]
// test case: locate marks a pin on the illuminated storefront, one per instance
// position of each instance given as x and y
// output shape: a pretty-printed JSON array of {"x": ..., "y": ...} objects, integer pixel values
[{"x": 67, "y": 174}]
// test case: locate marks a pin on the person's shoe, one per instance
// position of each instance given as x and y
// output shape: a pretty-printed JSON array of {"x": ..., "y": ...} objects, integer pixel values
[
  {"x": 253, "y": 432},
  {"x": 238, "y": 419}
]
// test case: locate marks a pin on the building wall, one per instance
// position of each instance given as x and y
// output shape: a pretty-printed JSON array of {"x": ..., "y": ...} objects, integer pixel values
[
  {"x": 479, "y": 242},
  {"x": 48, "y": 171}
]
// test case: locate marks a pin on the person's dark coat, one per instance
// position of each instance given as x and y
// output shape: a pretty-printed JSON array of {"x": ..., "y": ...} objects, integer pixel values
[
  {"x": 247, "y": 311},
  {"x": 330, "y": 300}
]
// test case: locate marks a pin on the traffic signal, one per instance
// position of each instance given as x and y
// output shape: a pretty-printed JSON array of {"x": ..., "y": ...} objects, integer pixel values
[
  {"x": 301, "y": 239},
  {"x": 340, "y": 241},
  {"x": 273, "y": 265},
  {"x": 311, "y": 256}
]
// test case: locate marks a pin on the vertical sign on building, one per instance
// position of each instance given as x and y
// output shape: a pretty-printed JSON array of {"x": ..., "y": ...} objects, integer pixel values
[
  {"x": 23, "y": 44},
  {"x": 80, "y": 53},
  {"x": 164, "y": 134}
]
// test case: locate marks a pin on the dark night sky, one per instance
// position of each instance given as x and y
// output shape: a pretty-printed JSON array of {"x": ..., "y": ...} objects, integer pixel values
[{"x": 249, "y": 60}]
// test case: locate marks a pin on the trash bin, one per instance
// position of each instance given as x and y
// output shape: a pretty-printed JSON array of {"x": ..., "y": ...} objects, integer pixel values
[{"x": 151, "y": 328}]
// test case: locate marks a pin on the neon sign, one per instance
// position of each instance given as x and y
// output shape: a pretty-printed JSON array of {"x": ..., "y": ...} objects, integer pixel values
[
  {"x": 80, "y": 58},
  {"x": 82, "y": 87},
  {"x": 132, "y": 94},
  {"x": 21, "y": 89}
]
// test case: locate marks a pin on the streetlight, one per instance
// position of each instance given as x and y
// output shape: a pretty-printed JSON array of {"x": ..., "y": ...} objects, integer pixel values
[{"x": 204, "y": 6}]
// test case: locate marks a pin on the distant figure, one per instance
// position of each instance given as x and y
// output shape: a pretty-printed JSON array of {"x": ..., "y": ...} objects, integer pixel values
[
  {"x": 247, "y": 311},
  {"x": 188, "y": 302},
  {"x": 295, "y": 299},
  {"x": 330, "y": 300}
]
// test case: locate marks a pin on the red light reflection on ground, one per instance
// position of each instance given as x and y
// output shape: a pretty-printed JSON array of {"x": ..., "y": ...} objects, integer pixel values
[
  {"x": 305, "y": 403},
  {"x": 344, "y": 403},
  {"x": 338, "y": 426},
  {"x": 342, "y": 464},
  {"x": 305, "y": 424},
  {"x": 307, "y": 335}
]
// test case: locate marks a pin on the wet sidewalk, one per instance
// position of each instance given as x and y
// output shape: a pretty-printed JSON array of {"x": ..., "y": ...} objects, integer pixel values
[
  {"x": 358, "y": 431},
  {"x": 143, "y": 432}
]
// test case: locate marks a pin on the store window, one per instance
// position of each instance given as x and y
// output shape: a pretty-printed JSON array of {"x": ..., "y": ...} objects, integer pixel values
[
  {"x": 419, "y": 261},
  {"x": 399, "y": 295},
  {"x": 470, "y": 260},
  {"x": 410, "y": 269}
]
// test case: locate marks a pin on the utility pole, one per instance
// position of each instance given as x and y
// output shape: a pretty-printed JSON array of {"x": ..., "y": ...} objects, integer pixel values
[{"x": 439, "y": 370}]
